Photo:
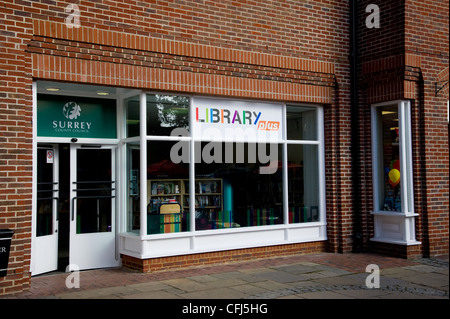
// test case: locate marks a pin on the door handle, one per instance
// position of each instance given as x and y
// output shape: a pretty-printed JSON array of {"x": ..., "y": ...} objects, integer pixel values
[
  {"x": 73, "y": 208},
  {"x": 57, "y": 208}
]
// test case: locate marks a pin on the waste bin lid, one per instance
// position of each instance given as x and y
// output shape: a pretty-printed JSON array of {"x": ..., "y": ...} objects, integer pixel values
[{"x": 6, "y": 233}]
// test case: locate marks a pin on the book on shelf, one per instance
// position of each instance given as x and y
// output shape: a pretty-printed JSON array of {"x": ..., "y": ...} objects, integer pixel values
[
  {"x": 160, "y": 189},
  {"x": 208, "y": 187},
  {"x": 164, "y": 188},
  {"x": 207, "y": 201},
  {"x": 170, "y": 223}
]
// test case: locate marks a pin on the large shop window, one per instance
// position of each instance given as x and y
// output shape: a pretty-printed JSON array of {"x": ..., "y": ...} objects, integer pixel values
[
  {"x": 393, "y": 179},
  {"x": 233, "y": 193},
  {"x": 214, "y": 164}
]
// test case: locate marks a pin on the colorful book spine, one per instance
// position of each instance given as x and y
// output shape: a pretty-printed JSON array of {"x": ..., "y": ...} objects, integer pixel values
[{"x": 170, "y": 223}]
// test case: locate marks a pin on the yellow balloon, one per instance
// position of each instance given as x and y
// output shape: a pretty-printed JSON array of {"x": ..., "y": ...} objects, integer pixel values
[{"x": 394, "y": 177}]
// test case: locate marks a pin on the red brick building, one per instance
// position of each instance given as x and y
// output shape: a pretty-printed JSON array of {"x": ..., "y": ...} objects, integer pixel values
[{"x": 96, "y": 96}]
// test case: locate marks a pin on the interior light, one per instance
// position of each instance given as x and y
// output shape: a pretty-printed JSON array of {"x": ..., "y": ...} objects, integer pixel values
[{"x": 386, "y": 112}]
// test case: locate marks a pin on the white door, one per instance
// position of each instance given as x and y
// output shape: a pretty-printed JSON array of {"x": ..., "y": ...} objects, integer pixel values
[
  {"x": 45, "y": 217},
  {"x": 93, "y": 203}
]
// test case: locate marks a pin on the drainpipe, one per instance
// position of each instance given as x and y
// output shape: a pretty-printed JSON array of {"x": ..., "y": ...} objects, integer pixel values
[{"x": 355, "y": 145}]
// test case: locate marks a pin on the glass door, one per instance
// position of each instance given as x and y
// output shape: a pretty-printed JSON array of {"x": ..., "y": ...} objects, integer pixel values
[
  {"x": 92, "y": 217},
  {"x": 45, "y": 218}
]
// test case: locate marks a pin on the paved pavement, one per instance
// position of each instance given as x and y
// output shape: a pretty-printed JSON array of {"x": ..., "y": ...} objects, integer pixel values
[{"x": 314, "y": 276}]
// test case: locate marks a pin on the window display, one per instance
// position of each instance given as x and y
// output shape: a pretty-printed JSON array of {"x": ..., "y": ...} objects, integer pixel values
[
  {"x": 389, "y": 164},
  {"x": 392, "y": 150},
  {"x": 166, "y": 212}
]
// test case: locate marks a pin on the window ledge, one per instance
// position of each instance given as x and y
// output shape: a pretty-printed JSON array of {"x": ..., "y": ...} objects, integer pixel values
[
  {"x": 396, "y": 242},
  {"x": 393, "y": 214}
]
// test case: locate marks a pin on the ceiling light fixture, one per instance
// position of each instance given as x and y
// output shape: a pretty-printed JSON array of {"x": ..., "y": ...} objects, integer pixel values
[
  {"x": 103, "y": 93},
  {"x": 52, "y": 89}
]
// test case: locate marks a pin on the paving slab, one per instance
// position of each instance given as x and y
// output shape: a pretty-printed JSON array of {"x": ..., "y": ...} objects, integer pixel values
[
  {"x": 342, "y": 280},
  {"x": 428, "y": 279},
  {"x": 249, "y": 289},
  {"x": 230, "y": 275},
  {"x": 204, "y": 278},
  {"x": 186, "y": 285},
  {"x": 96, "y": 293},
  {"x": 218, "y": 293},
  {"x": 152, "y": 295},
  {"x": 279, "y": 276},
  {"x": 149, "y": 286},
  {"x": 271, "y": 285},
  {"x": 225, "y": 283}
]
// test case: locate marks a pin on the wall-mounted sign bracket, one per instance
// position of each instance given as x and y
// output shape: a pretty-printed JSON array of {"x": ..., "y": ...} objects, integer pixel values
[{"x": 438, "y": 87}]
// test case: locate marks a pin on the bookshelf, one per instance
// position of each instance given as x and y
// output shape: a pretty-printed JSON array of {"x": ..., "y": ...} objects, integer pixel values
[
  {"x": 208, "y": 194},
  {"x": 208, "y": 197},
  {"x": 160, "y": 191}
]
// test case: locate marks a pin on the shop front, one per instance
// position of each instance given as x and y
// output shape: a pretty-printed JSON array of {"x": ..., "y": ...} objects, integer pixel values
[{"x": 129, "y": 174}]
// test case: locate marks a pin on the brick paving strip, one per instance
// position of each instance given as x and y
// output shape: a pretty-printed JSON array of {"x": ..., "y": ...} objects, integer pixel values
[{"x": 279, "y": 277}]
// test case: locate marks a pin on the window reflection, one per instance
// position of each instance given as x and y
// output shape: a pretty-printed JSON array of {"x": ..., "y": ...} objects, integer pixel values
[{"x": 165, "y": 113}]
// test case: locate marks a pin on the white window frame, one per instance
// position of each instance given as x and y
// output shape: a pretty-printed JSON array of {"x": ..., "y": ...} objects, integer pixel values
[
  {"x": 393, "y": 226},
  {"x": 405, "y": 152},
  {"x": 144, "y": 246}
]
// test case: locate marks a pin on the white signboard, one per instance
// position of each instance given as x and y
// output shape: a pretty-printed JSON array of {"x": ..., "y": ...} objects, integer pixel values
[{"x": 236, "y": 121}]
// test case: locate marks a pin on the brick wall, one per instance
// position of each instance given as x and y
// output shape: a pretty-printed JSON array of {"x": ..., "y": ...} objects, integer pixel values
[
  {"x": 15, "y": 141},
  {"x": 427, "y": 25}
]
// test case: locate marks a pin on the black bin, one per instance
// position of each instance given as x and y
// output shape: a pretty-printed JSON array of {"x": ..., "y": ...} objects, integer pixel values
[{"x": 5, "y": 246}]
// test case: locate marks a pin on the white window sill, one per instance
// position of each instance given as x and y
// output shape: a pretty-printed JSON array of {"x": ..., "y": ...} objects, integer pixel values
[{"x": 393, "y": 214}]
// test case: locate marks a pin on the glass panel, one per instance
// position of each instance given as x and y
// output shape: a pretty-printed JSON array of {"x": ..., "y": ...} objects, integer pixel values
[
  {"x": 303, "y": 183},
  {"x": 301, "y": 123},
  {"x": 45, "y": 193},
  {"x": 230, "y": 190},
  {"x": 165, "y": 113},
  {"x": 167, "y": 211},
  {"x": 388, "y": 124},
  {"x": 94, "y": 190},
  {"x": 132, "y": 116},
  {"x": 134, "y": 221}
]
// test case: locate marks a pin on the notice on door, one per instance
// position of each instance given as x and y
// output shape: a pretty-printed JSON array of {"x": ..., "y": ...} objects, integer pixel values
[{"x": 50, "y": 156}]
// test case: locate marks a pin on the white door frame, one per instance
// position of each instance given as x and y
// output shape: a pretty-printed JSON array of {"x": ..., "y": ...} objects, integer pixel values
[
  {"x": 44, "y": 250},
  {"x": 96, "y": 249}
]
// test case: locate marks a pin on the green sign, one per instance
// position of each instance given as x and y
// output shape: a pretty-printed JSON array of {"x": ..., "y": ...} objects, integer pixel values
[{"x": 62, "y": 116}]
